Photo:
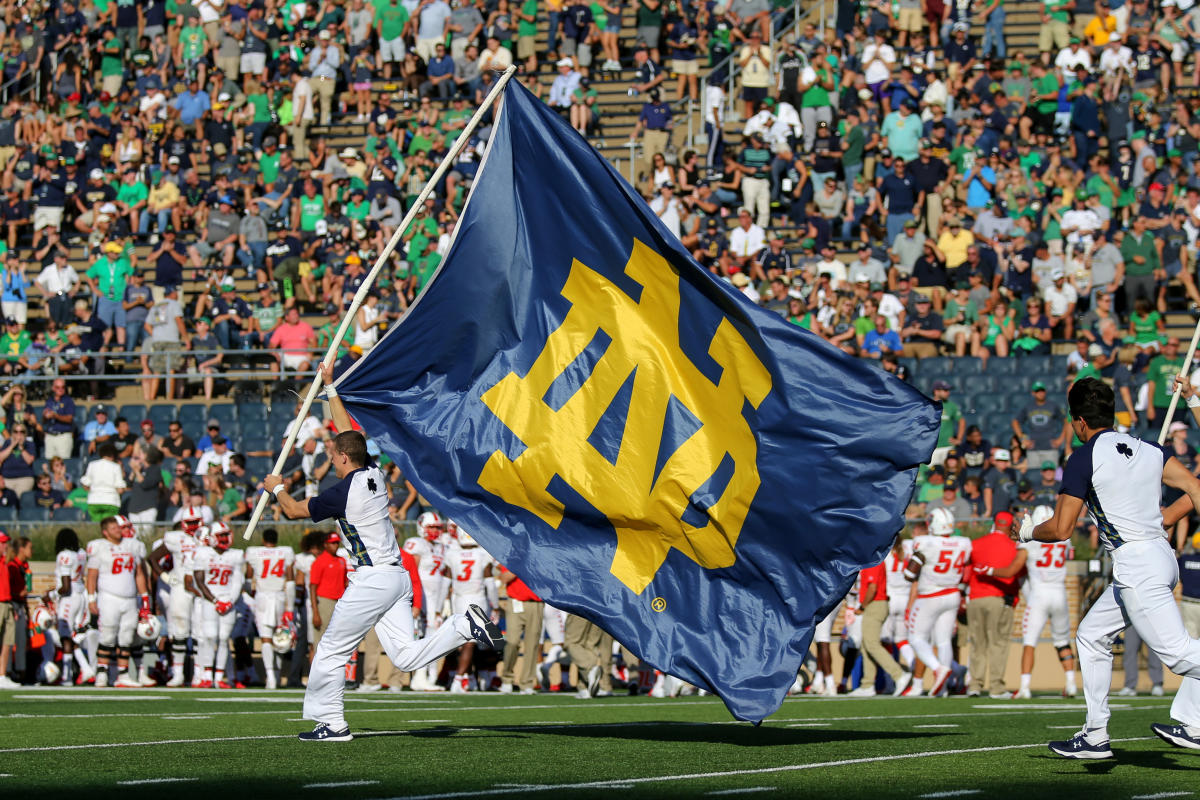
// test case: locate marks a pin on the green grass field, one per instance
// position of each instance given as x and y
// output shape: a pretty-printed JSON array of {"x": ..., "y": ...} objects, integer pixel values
[{"x": 236, "y": 745}]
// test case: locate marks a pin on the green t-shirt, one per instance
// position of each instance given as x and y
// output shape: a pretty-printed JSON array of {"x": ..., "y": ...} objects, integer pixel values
[
  {"x": 816, "y": 96},
  {"x": 312, "y": 210},
  {"x": 950, "y": 417},
  {"x": 325, "y": 338},
  {"x": 229, "y": 501},
  {"x": 649, "y": 17},
  {"x": 1045, "y": 85},
  {"x": 392, "y": 20},
  {"x": 969, "y": 311},
  {"x": 420, "y": 144},
  {"x": 425, "y": 267},
  {"x": 132, "y": 193},
  {"x": 1145, "y": 248},
  {"x": 425, "y": 229},
  {"x": 524, "y": 27},
  {"x": 1145, "y": 329},
  {"x": 261, "y": 105},
  {"x": 855, "y": 143},
  {"x": 1057, "y": 9},
  {"x": 267, "y": 316},
  {"x": 1097, "y": 186},
  {"x": 111, "y": 276},
  {"x": 112, "y": 63},
  {"x": 12, "y": 346},
  {"x": 1162, "y": 372},
  {"x": 268, "y": 165},
  {"x": 357, "y": 211},
  {"x": 192, "y": 39}
]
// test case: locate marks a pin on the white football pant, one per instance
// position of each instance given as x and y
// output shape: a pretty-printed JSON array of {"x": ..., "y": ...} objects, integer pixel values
[
  {"x": 931, "y": 624},
  {"x": 118, "y": 619},
  {"x": 380, "y": 597},
  {"x": 1141, "y": 595},
  {"x": 214, "y": 635},
  {"x": 1042, "y": 605}
]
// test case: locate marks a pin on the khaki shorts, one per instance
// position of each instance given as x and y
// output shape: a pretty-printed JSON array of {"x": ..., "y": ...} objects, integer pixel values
[
  {"x": 911, "y": 20},
  {"x": 526, "y": 47},
  {"x": 8, "y": 626},
  {"x": 44, "y": 216},
  {"x": 685, "y": 67}
]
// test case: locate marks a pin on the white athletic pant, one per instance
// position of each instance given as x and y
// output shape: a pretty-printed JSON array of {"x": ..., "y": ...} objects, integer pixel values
[
  {"x": 1142, "y": 596},
  {"x": 931, "y": 624},
  {"x": 1047, "y": 604},
  {"x": 554, "y": 623},
  {"x": 180, "y": 610},
  {"x": 216, "y": 632},
  {"x": 895, "y": 629},
  {"x": 72, "y": 613},
  {"x": 823, "y": 633},
  {"x": 379, "y": 597},
  {"x": 268, "y": 612},
  {"x": 436, "y": 589},
  {"x": 118, "y": 619}
]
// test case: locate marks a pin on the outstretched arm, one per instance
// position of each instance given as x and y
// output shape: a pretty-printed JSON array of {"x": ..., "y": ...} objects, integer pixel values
[{"x": 341, "y": 419}]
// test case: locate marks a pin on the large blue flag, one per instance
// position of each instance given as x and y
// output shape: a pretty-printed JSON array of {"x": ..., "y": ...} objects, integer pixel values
[{"x": 631, "y": 436}]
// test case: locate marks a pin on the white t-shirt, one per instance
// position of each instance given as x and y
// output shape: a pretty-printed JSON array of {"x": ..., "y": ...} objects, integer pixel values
[
  {"x": 877, "y": 58},
  {"x": 669, "y": 217},
  {"x": 743, "y": 242},
  {"x": 359, "y": 505},
  {"x": 103, "y": 480}
]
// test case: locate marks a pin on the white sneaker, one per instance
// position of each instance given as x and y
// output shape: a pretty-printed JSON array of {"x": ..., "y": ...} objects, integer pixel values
[
  {"x": 1157, "y": 691},
  {"x": 506, "y": 688},
  {"x": 1070, "y": 691},
  {"x": 397, "y": 689},
  {"x": 941, "y": 677},
  {"x": 583, "y": 694},
  {"x": 102, "y": 678},
  {"x": 8, "y": 683},
  {"x": 368, "y": 688},
  {"x": 593, "y": 680},
  {"x": 604, "y": 693},
  {"x": 902, "y": 684},
  {"x": 125, "y": 681},
  {"x": 1002, "y": 695},
  {"x": 529, "y": 690},
  {"x": 915, "y": 690},
  {"x": 144, "y": 678},
  {"x": 659, "y": 683},
  {"x": 1127, "y": 692},
  {"x": 460, "y": 685},
  {"x": 1022, "y": 694},
  {"x": 270, "y": 684},
  {"x": 176, "y": 681},
  {"x": 863, "y": 691}
]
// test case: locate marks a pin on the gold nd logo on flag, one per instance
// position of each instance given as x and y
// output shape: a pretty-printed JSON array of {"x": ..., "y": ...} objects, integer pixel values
[{"x": 613, "y": 408}]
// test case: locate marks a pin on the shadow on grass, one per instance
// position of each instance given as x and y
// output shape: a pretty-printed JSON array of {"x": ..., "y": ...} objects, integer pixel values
[
  {"x": 1126, "y": 759},
  {"x": 744, "y": 735}
]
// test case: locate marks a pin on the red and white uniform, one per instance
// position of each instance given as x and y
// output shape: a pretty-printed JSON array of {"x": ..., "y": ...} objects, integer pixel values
[
  {"x": 182, "y": 547},
  {"x": 116, "y": 587},
  {"x": 935, "y": 611},
  {"x": 1046, "y": 592},
  {"x": 270, "y": 566},
  {"x": 223, "y": 574},
  {"x": 467, "y": 565},
  {"x": 895, "y": 629},
  {"x": 302, "y": 567},
  {"x": 431, "y": 560},
  {"x": 72, "y": 610}
]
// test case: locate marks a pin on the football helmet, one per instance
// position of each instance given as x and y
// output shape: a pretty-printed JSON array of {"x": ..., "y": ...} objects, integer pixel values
[
  {"x": 466, "y": 540},
  {"x": 432, "y": 525},
  {"x": 221, "y": 535},
  {"x": 284, "y": 638},
  {"x": 149, "y": 629},
  {"x": 42, "y": 619},
  {"x": 941, "y": 522},
  {"x": 191, "y": 520},
  {"x": 50, "y": 673},
  {"x": 125, "y": 526},
  {"x": 204, "y": 536}
]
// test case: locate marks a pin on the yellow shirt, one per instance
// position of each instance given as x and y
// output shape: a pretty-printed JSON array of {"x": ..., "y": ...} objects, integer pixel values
[
  {"x": 1098, "y": 31},
  {"x": 163, "y": 195},
  {"x": 756, "y": 73},
  {"x": 955, "y": 247}
]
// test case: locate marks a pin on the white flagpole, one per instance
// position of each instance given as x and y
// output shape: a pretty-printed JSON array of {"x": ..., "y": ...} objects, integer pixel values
[
  {"x": 1187, "y": 365},
  {"x": 361, "y": 295}
]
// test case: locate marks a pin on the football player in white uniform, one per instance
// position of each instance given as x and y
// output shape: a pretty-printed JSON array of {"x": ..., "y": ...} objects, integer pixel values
[
  {"x": 270, "y": 569},
  {"x": 137, "y": 651},
  {"x": 380, "y": 592},
  {"x": 895, "y": 627},
  {"x": 429, "y": 550},
  {"x": 554, "y": 623},
  {"x": 938, "y": 561},
  {"x": 177, "y": 549},
  {"x": 470, "y": 567},
  {"x": 70, "y": 567},
  {"x": 118, "y": 595},
  {"x": 217, "y": 574},
  {"x": 1045, "y": 565}
]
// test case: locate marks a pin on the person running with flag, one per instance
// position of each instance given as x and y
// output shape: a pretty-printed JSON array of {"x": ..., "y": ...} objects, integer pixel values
[
  {"x": 1119, "y": 479},
  {"x": 380, "y": 593}
]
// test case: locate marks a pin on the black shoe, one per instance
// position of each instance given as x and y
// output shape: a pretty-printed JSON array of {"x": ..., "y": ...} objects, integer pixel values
[
  {"x": 483, "y": 630},
  {"x": 323, "y": 733},
  {"x": 1176, "y": 735},
  {"x": 1079, "y": 747}
]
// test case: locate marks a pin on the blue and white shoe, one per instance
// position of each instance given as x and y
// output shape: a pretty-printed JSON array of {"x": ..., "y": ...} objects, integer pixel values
[
  {"x": 1079, "y": 747},
  {"x": 323, "y": 733},
  {"x": 1177, "y": 735},
  {"x": 483, "y": 630}
]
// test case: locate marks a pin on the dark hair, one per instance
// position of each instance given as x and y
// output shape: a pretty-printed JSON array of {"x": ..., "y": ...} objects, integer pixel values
[
  {"x": 353, "y": 445},
  {"x": 154, "y": 455},
  {"x": 107, "y": 450},
  {"x": 1092, "y": 401},
  {"x": 238, "y": 459},
  {"x": 66, "y": 539},
  {"x": 270, "y": 536}
]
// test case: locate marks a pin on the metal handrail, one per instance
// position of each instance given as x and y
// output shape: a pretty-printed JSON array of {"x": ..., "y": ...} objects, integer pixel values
[
  {"x": 735, "y": 70},
  {"x": 41, "y": 374}
]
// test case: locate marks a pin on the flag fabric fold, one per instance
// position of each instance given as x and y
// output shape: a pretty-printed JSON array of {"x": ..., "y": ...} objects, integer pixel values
[{"x": 636, "y": 440}]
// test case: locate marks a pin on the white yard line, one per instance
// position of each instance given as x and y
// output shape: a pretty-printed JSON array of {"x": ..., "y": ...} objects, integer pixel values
[
  {"x": 951, "y": 793},
  {"x": 809, "y": 725},
  {"x": 202, "y": 716},
  {"x": 747, "y": 790},
  {"x": 339, "y": 785},
  {"x": 1160, "y": 795},
  {"x": 730, "y": 773},
  {"x": 945, "y": 725},
  {"x": 113, "y": 695},
  {"x": 148, "y": 781}
]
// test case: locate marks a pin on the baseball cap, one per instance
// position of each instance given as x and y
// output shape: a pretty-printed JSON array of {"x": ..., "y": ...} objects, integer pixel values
[
  {"x": 213, "y": 423},
  {"x": 912, "y": 223},
  {"x": 1049, "y": 465},
  {"x": 1004, "y": 518},
  {"x": 1038, "y": 386},
  {"x": 219, "y": 440},
  {"x": 1001, "y": 455},
  {"x": 1057, "y": 274},
  {"x": 333, "y": 537},
  {"x": 264, "y": 285},
  {"x": 565, "y": 62},
  {"x": 12, "y": 321},
  {"x": 1158, "y": 186},
  {"x": 3, "y": 537},
  {"x": 862, "y": 277},
  {"x": 100, "y": 409},
  {"x": 228, "y": 283},
  {"x": 740, "y": 279},
  {"x": 112, "y": 247},
  {"x": 941, "y": 385},
  {"x": 921, "y": 300},
  {"x": 96, "y": 174},
  {"x": 1177, "y": 426}
]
